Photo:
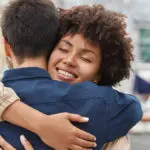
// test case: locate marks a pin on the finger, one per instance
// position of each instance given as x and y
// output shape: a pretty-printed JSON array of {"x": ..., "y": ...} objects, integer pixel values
[
  {"x": 5, "y": 145},
  {"x": 85, "y": 135},
  {"x": 77, "y": 118},
  {"x": 26, "y": 144},
  {"x": 76, "y": 147},
  {"x": 84, "y": 143}
]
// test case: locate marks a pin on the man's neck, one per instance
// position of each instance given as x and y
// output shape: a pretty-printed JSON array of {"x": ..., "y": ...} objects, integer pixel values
[{"x": 32, "y": 62}]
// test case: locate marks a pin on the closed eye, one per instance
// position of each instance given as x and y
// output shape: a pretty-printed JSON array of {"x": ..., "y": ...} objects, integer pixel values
[
  {"x": 63, "y": 50},
  {"x": 86, "y": 59}
]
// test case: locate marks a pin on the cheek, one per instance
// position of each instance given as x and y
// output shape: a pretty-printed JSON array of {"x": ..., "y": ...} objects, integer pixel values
[
  {"x": 52, "y": 61},
  {"x": 54, "y": 58},
  {"x": 88, "y": 72},
  {"x": 49, "y": 67}
]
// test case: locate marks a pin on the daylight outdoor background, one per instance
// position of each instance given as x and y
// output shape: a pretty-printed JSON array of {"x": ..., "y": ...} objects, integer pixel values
[{"x": 138, "y": 26}]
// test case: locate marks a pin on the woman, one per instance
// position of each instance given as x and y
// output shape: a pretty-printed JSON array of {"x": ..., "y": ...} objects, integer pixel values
[{"x": 93, "y": 46}]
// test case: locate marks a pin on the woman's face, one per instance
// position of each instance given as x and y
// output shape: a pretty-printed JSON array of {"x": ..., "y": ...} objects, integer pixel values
[{"x": 75, "y": 60}]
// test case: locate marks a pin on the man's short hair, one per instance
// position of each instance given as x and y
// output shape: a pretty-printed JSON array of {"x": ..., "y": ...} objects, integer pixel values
[{"x": 30, "y": 27}]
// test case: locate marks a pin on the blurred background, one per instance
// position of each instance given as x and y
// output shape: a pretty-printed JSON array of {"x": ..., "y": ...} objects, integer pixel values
[{"x": 138, "y": 27}]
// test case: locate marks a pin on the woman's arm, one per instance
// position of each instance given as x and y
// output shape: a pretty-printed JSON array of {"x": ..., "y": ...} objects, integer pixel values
[
  {"x": 146, "y": 119},
  {"x": 122, "y": 143},
  {"x": 7, "y": 97}
]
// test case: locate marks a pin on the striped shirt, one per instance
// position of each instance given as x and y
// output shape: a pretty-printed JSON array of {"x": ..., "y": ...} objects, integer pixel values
[{"x": 7, "y": 97}]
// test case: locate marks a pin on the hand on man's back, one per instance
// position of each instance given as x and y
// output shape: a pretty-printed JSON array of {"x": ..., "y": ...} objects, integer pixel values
[{"x": 58, "y": 132}]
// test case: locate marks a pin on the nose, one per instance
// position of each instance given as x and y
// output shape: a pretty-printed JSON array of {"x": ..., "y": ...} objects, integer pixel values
[{"x": 70, "y": 60}]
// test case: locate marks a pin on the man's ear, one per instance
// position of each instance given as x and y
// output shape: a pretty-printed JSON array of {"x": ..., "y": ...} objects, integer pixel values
[
  {"x": 7, "y": 48},
  {"x": 8, "y": 53}
]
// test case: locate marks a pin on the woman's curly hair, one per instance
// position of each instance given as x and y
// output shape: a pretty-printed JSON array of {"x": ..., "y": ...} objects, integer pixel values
[{"x": 107, "y": 29}]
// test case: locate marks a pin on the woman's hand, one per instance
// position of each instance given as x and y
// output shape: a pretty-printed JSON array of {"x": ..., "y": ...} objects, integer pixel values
[{"x": 6, "y": 146}]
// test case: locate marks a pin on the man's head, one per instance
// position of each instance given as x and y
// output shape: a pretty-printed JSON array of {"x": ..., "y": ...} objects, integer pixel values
[{"x": 30, "y": 28}]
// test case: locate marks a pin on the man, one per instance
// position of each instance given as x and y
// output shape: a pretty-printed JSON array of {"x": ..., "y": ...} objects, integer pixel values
[{"x": 42, "y": 30}]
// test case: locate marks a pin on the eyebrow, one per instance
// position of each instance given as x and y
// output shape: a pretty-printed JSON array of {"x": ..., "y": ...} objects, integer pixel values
[{"x": 67, "y": 42}]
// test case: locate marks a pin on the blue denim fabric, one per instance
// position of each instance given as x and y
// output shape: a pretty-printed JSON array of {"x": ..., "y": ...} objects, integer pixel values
[{"x": 111, "y": 113}]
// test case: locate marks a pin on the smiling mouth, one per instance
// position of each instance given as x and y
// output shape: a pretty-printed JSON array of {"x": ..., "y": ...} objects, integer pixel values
[{"x": 66, "y": 74}]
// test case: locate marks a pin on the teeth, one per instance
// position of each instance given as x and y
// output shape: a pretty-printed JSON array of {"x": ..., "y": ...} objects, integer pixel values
[{"x": 65, "y": 73}]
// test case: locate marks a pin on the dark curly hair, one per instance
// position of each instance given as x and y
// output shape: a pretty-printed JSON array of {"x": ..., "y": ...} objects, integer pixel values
[{"x": 107, "y": 29}]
